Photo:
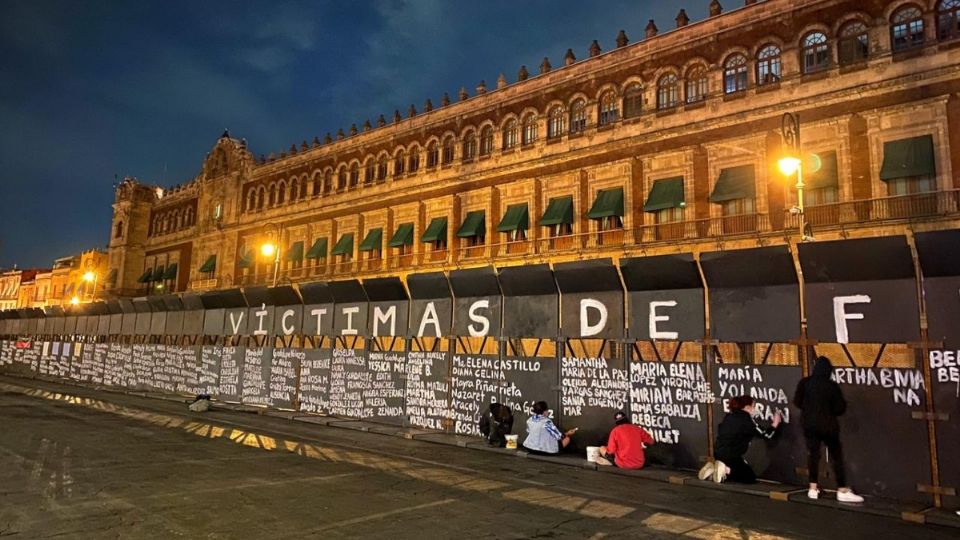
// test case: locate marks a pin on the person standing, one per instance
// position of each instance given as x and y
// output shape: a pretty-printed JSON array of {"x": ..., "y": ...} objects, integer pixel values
[
  {"x": 820, "y": 401},
  {"x": 624, "y": 446},
  {"x": 734, "y": 434}
]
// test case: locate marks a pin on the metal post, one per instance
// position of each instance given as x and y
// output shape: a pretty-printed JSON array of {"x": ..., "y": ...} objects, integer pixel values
[
  {"x": 801, "y": 217},
  {"x": 276, "y": 264}
]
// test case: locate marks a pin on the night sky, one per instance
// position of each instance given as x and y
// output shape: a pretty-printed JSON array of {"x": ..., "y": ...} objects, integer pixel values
[{"x": 90, "y": 91}]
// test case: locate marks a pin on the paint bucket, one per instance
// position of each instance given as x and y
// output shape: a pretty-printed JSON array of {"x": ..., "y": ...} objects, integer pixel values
[
  {"x": 511, "y": 441},
  {"x": 593, "y": 452}
]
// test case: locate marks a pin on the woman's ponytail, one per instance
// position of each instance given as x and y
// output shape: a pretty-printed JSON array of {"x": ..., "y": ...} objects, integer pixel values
[{"x": 738, "y": 403}]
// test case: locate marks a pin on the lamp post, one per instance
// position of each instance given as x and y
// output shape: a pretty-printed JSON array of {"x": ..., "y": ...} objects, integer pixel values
[
  {"x": 791, "y": 163},
  {"x": 270, "y": 249},
  {"x": 91, "y": 277}
]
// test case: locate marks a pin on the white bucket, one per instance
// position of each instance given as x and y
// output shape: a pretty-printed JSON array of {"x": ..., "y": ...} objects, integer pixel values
[
  {"x": 593, "y": 452},
  {"x": 511, "y": 441}
]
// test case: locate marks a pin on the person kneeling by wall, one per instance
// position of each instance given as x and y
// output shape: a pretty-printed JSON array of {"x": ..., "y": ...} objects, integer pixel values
[
  {"x": 734, "y": 434},
  {"x": 624, "y": 446},
  {"x": 543, "y": 436}
]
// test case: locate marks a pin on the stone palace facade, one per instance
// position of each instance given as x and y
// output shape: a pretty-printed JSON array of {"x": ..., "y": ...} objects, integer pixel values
[{"x": 658, "y": 146}]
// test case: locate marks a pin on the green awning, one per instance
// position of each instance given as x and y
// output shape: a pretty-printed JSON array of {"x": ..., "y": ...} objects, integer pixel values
[
  {"x": 609, "y": 202},
  {"x": 559, "y": 211},
  {"x": 734, "y": 183},
  {"x": 826, "y": 174},
  {"x": 907, "y": 158},
  {"x": 246, "y": 260},
  {"x": 157, "y": 273},
  {"x": 112, "y": 277},
  {"x": 145, "y": 276},
  {"x": 475, "y": 224},
  {"x": 373, "y": 241},
  {"x": 344, "y": 246},
  {"x": 295, "y": 253},
  {"x": 436, "y": 231},
  {"x": 515, "y": 218},
  {"x": 171, "y": 272},
  {"x": 664, "y": 194},
  {"x": 209, "y": 265},
  {"x": 403, "y": 236},
  {"x": 318, "y": 250}
]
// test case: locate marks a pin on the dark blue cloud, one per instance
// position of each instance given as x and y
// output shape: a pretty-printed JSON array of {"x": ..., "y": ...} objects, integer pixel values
[{"x": 90, "y": 91}]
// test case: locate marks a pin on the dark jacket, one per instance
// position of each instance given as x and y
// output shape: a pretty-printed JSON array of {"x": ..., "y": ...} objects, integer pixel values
[
  {"x": 496, "y": 424},
  {"x": 736, "y": 431},
  {"x": 820, "y": 399}
]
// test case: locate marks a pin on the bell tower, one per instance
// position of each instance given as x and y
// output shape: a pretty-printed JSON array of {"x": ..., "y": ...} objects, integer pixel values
[{"x": 128, "y": 235}]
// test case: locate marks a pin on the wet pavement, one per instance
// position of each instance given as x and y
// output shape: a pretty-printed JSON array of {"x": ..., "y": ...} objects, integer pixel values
[{"x": 86, "y": 464}]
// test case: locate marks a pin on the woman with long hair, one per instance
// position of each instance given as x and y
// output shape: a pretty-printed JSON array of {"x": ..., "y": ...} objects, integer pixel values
[{"x": 737, "y": 429}]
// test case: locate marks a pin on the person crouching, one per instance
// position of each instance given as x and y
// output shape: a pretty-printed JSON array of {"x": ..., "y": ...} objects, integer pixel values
[
  {"x": 624, "y": 446},
  {"x": 734, "y": 434},
  {"x": 543, "y": 436}
]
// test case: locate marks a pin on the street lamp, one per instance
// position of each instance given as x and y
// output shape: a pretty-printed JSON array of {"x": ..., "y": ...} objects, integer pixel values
[
  {"x": 74, "y": 301},
  {"x": 271, "y": 250},
  {"x": 791, "y": 164},
  {"x": 91, "y": 277}
]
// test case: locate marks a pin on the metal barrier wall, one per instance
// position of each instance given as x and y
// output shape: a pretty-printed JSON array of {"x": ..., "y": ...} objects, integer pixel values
[{"x": 650, "y": 336}]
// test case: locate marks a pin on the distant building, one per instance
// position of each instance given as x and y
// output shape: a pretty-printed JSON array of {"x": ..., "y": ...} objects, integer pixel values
[
  {"x": 34, "y": 289},
  {"x": 667, "y": 144},
  {"x": 9, "y": 288},
  {"x": 67, "y": 278}
]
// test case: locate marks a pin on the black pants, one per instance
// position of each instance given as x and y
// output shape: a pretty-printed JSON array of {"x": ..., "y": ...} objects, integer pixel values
[
  {"x": 740, "y": 470},
  {"x": 832, "y": 440}
]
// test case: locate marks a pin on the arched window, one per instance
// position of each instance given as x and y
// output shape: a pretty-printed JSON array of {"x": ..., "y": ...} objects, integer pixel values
[
  {"x": 668, "y": 91},
  {"x": 261, "y": 198},
  {"x": 854, "y": 44},
  {"x": 382, "y": 169},
  {"x": 328, "y": 182},
  {"x": 735, "y": 74},
  {"x": 510, "y": 134},
  {"x": 768, "y": 65},
  {"x": 578, "y": 116},
  {"x": 190, "y": 217},
  {"x": 354, "y": 175},
  {"x": 632, "y": 100},
  {"x": 342, "y": 178},
  {"x": 906, "y": 28},
  {"x": 413, "y": 161},
  {"x": 948, "y": 19},
  {"x": 251, "y": 202},
  {"x": 814, "y": 52},
  {"x": 469, "y": 150},
  {"x": 697, "y": 84},
  {"x": 317, "y": 184},
  {"x": 118, "y": 230},
  {"x": 281, "y": 192},
  {"x": 399, "y": 163},
  {"x": 447, "y": 156},
  {"x": 273, "y": 195},
  {"x": 486, "y": 141},
  {"x": 530, "y": 129},
  {"x": 369, "y": 171},
  {"x": 433, "y": 153},
  {"x": 294, "y": 189},
  {"x": 609, "y": 113},
  {"x": 556, "y": 122}
]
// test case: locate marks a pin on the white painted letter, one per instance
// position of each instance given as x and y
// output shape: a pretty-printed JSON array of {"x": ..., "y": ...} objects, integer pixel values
[
  {"x": 477, "y": 318},
  {"x": 350, "y": 330},
  {"x": 319, "y": 313},
  {"x": 587, "y": 329},
  {"x": 261, "y": 314},
  {"x": 654, "y": 318},
  {"x": 287, "y": 330},
  {"x": 235, "y": 323},
  {"x": 381, "y": 317},
  {"x": 840, "y": 315},
  {"x": 430, "y": 317}
]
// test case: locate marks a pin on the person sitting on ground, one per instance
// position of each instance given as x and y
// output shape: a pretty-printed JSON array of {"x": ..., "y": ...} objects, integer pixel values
[
  {"x": 496, "y": 424},
  {"x": 624, "y": 446},
  {"x": 543, "y": 437},
  {"x": 820, "y": 401},
  {"x": 734, "y": 434}
]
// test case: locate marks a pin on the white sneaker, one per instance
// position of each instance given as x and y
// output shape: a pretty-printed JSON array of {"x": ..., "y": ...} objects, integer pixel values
[
  {"x": 720, "y": 474},
  {"x": 849, "y": 497},
  {"x": 603, "y": 461},
  {"x": 706, "y": 471},
  {"x": 813, "y": 494}
]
